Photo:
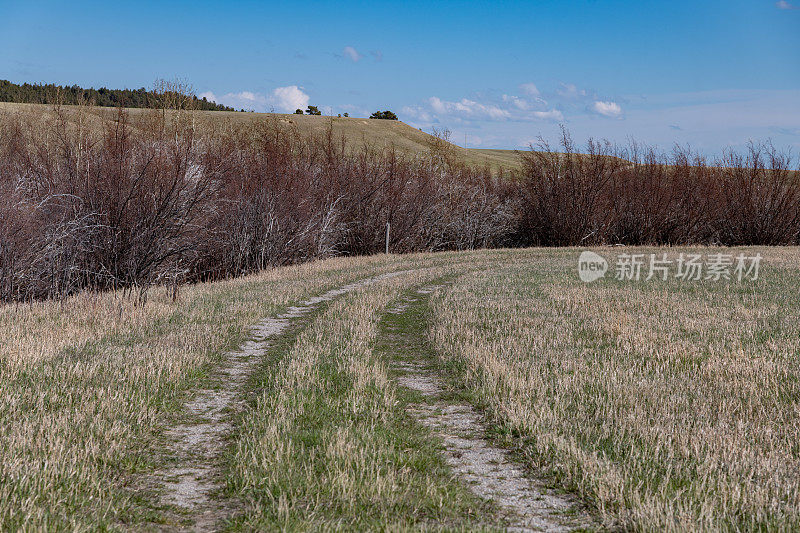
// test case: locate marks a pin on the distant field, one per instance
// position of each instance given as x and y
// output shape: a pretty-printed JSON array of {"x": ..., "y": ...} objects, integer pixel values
[
  {"x": 655, "y": 405},
  {"x": 357, "y": 131}
]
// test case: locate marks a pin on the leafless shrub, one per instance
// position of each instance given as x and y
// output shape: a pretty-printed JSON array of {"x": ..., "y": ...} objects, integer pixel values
[
  {"x": 164, "y": 197},
  {"x": 565, "y": 190},
  {"x": 635, "y": 195},
  {"x": 760, "y": 197}
]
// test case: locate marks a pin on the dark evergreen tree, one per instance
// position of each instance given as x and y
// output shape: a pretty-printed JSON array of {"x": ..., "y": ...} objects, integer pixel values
[
  {"x": 72, "y": 95},
  {"x": 383, "y": 115}
]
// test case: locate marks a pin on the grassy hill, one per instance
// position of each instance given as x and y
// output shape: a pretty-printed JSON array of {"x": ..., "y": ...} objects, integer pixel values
[{"x": 356, "y": 130}]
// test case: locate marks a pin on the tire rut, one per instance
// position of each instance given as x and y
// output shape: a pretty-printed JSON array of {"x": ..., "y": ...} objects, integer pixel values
[
  {"x": 194, "y": 481},
  {"x": 488, "y": 470}
]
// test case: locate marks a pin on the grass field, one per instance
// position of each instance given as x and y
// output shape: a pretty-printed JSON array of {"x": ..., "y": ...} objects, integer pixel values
[
  {"x": 658, "y": 405},
  {"x": 357, "y": 131},
  {"x": 670, "y": 405}
]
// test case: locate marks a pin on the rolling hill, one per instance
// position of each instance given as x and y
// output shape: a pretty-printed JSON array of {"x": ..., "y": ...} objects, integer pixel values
[{"x": 356, "y": 130}]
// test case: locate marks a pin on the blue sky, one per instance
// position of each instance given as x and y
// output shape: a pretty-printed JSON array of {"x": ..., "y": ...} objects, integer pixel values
[{"x": 710, "y": 73}]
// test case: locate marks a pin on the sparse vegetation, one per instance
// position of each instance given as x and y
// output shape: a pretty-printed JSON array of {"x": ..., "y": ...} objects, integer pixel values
[
  {"x": 88, "y": 384},
  {"x": 328, "y": 444}
]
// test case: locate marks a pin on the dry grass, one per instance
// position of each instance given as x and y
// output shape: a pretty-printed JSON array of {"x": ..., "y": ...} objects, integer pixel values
[
  {"x": 357, "y": 131},
  {"x": 669, "y": 405},
  {"x": 328, "y": 445},
  {"x": 86, "y": 386}
]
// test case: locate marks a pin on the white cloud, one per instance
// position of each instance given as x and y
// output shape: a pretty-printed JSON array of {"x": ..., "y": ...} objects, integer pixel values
[
  {"x": 466, "y": 108},
  {"x": 516, "y": 101},
  {"x": 530, "y": 89},
  {"x": 244, "y": 100},
  {"x": 553, "y": 114},
  {"x": 570, "y": 91},
  {"x": 247, "y": 96},
  {"x": 607, "y": 109},
  {"x": 783, "y": 4},
  {"x": 418, "y": 113},
  {"x": 508, "y": 108},
  {"x": 289, "y": 98},
  {"x": 351, "y": 53},
  {"x": 567, "y": 90},
  {"x": 708, "y": 121},
  {"x": 285, "y": 99}
]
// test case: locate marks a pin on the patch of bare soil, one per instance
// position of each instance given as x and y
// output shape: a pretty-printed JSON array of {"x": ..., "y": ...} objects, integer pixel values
[
  {"x": 194, "y": 480},
  {"x": 491, "y": 473}
]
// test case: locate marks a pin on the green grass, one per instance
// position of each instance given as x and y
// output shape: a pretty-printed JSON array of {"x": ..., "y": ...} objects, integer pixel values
[
  {"x": 88, "y": 386},
  {"x": 328, "y": 444}
]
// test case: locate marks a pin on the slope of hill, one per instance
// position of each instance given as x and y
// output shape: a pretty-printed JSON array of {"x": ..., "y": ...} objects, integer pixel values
[{"x": 357, "y": 131}]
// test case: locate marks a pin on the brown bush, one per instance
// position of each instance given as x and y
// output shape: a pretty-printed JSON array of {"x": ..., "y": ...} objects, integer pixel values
[
  {"x": 636, "y": 196},
  {"x": 162, "y": 197}
]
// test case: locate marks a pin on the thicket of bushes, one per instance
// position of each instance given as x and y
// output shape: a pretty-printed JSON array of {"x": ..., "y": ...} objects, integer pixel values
[
  {"x": 157, "y": 197},
  {"x": 635, "y": 195}
]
